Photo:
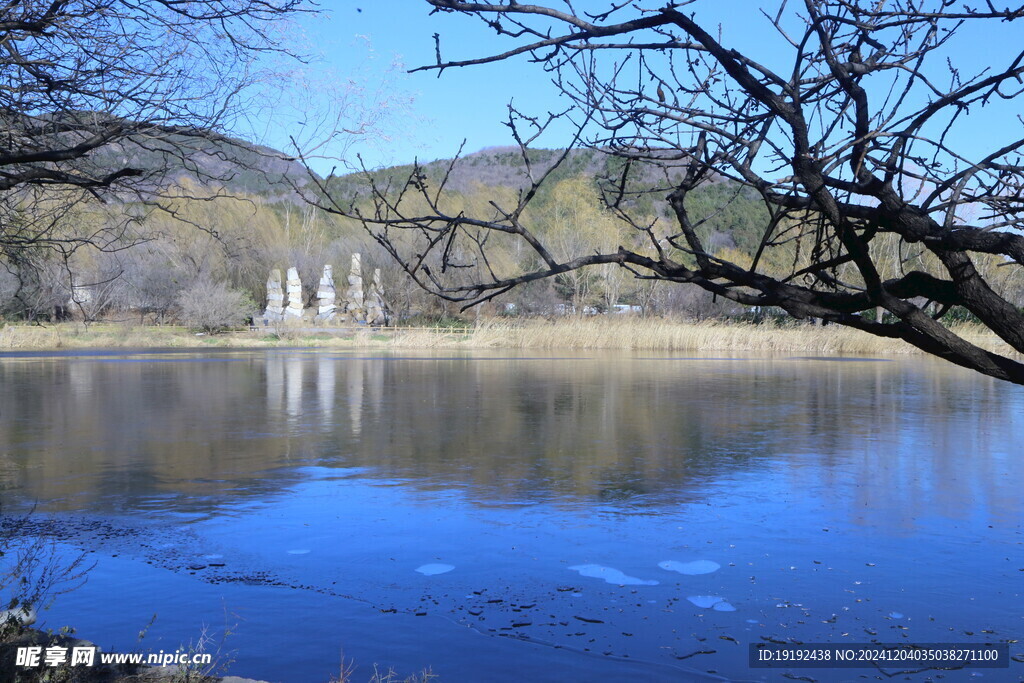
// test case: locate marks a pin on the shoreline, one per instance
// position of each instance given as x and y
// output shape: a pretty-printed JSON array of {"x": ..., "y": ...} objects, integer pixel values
[{"x": 626, "y": 334}]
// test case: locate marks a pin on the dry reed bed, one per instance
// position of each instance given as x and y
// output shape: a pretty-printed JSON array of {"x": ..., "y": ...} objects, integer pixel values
[
  {"x": 655, "y": 334},
  {"x": 672, "y": 335},
  {"x": 641, "y": 334},
  {"x": 77, "y": 336}
]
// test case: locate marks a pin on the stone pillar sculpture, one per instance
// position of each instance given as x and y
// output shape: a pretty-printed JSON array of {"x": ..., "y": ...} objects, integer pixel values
[
  {"x": 376, "y": 311},
  {"x": 326, "y": 295},
  {"x": 294, "y": 309},
  {"x": 275, "y": 298},
  {"x": 354, "y": 307}
]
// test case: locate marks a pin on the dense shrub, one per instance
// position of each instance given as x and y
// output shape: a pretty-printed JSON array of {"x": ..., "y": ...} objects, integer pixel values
[{"x": 212, "y": 306}]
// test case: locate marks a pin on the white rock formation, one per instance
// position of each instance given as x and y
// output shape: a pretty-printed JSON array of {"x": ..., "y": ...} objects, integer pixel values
[
  {"x": 275, "y": 298},
  {"x": 355, "y": 310},
  {"x": 326, "y": 296},
  {"x": 294, "y": 309},
  {"x": 376, "y": 311}
]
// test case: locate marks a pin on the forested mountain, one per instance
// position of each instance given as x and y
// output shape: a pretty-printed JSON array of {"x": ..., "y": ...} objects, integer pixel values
[
  {"x": 737, "y": 216},
  {"x": 240, "y": 214}
]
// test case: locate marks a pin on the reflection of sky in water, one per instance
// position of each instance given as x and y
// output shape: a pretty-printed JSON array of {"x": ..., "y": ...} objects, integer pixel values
[{"x": 575, "y": 500}]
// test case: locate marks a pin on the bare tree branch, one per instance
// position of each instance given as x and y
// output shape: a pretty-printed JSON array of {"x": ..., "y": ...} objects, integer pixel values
[{"x": 855, "y": 146}]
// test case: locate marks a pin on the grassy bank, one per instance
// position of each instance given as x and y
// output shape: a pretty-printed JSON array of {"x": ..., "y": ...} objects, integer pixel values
[{"x": 652, "y": 334}]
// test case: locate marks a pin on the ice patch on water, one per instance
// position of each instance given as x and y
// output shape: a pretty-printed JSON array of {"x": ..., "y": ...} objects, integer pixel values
[
  {"x": 690, "y": 568},
  {"x": 705, "y": 601},
  {"x": 299, "y": 551},
  {"x": 610, "y": 575},
  {"x": 715, "y": 602},
  {"x": 214, "y": 556},
  {"x": 434, "y": 569},
  {"x": 895, "y": 615}
]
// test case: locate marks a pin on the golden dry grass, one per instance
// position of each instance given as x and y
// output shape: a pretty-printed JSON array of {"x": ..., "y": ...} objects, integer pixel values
[
  {"x": 626, "y": 333},
  {"x": 107, "y": 335},
  {"x": 654, "y": 334},
  {"x": 669, "y": 335}
]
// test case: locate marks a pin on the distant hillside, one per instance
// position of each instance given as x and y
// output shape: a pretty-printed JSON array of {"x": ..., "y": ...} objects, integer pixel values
[
  {"x": 237, "y": 166},
  {"x": 249, "y": 238},
  {"x": 736, "y": 215},
  {"x": 504, "y": 167}
]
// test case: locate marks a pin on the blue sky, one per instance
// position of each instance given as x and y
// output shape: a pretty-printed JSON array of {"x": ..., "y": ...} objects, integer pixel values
[
  {"x": 368, "y": 38},
  {"x": 469, "y": 103},
  {"x": 363, "y": 39}
]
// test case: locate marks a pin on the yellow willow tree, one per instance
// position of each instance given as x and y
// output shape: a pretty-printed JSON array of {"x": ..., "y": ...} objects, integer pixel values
[{"x": 573, "y": 221}]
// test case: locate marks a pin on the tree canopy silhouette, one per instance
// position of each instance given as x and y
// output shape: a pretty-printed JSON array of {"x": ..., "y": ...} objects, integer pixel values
[
  {"x": 850, "y": 120},
  {"x": 105, "y": 100}
]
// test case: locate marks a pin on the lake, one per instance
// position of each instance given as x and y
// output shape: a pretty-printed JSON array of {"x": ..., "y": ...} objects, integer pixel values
[{"x": 509, "y": 517}]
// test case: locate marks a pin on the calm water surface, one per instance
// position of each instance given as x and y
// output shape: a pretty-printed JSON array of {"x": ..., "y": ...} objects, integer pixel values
[{"x": 519, "y": 518}]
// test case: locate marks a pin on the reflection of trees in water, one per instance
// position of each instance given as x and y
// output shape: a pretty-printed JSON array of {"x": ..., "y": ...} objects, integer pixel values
[{"x": 892, "y": 441}]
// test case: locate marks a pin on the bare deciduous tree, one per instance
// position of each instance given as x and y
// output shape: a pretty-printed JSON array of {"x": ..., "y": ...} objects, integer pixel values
[
  {"x": 852, "y": 130},
  {"x": 106, "y": 100}
]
